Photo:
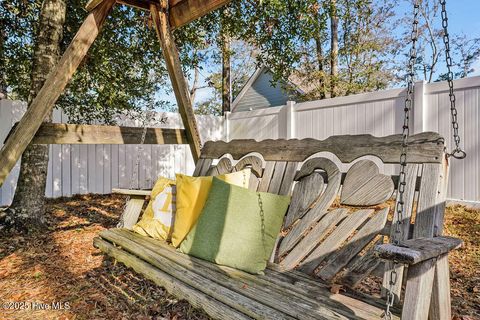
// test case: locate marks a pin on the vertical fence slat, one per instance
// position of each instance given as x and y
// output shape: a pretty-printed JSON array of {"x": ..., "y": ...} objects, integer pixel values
[{"x": 88, "y": 168}]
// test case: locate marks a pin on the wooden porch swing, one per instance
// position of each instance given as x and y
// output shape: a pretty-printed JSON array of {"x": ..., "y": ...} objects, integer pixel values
[{"x": 335, "y": 227}]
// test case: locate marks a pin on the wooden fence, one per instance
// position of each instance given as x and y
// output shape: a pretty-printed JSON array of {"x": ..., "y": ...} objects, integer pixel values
[{"x": 79, "y": 169}]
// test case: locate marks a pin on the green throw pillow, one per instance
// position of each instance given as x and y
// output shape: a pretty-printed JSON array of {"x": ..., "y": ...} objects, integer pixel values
[{"x": 233, "y": 231}]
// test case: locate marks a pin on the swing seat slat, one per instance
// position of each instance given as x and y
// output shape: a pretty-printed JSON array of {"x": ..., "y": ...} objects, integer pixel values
[{"x": 334, "y": 232}]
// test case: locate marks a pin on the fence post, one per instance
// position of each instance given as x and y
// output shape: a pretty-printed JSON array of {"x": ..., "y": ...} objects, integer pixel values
[
  {"x": 419, "y": 107},
  {"x": 226, "y": 126},
  {"x": 290, "y": 120}
]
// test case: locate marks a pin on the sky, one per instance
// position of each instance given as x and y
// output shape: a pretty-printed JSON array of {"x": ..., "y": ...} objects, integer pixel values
[{"x": 464, "y": 17}]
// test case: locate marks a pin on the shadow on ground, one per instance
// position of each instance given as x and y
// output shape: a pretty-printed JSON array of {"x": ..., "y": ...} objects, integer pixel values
[{"x": 61, "y": 266}]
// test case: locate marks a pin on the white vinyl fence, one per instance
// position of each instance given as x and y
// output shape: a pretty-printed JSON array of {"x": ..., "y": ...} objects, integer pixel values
[
  {"x": 79, "y": 169},
  {"x": 379, "y": 114}
]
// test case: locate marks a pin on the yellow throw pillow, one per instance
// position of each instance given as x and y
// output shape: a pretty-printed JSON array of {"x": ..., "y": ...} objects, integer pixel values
[
  {"x": 158, "y": 218},
  {"x": 192, "y": 193}
]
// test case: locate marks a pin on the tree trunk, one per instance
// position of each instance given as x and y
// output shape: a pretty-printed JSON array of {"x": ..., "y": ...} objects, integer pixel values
[
  {"x": 226, "y": 69},
  {"x": 226, "y": 76},
  {"x": 321, "y": 73},
  {"x": 319, "y": 53},
  {"x": 3, "y": 82},
  {"x": 333, "y": 48},
  {"x": 28, "y": 207}
]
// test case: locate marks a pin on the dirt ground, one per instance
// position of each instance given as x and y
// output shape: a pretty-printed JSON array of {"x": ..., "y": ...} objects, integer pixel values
[{"x": 60, "y": 270}]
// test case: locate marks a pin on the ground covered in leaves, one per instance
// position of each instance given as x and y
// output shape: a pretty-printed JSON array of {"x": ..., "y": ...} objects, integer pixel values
[
  {"x": 61, "y": 265},
  {"x": 61, "y": 269}
]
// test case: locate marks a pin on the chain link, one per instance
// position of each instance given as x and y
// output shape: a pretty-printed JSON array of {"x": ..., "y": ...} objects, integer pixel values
[
  {"x": 262, "y": 217},
  {"x": 406, "y": 121},
  {"x": 457, "y": 152},
  {"x": 396, "y": 237}
]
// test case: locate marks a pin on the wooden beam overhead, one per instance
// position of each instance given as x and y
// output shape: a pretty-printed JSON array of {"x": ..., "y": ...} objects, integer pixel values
[
  {"x": 52, "y": 88},
  {"x": 61, "y": 133},
  {"x": 92, "y": 4},
  {"x": 186, "y": 11},
  {"x": 174, "y": 68},
  {"x": 181, "y": 12}
]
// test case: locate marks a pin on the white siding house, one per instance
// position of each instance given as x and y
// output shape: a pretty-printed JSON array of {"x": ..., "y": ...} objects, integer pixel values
[{"x": 260, "y": 92}]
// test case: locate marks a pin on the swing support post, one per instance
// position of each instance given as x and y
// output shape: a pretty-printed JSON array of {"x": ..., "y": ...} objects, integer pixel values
[
  {"x": 179, "y": 83},
  {"x": 166, "y": 19},
  {"x": 54, "y": 85}
]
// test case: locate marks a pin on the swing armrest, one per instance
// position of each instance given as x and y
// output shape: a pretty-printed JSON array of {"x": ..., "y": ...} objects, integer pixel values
[
  {"x": 417, "y": 250},
  {"x": 131, "y": 192}
]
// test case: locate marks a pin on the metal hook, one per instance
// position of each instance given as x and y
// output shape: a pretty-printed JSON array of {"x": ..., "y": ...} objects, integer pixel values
[{"x": 458, "y": 154}]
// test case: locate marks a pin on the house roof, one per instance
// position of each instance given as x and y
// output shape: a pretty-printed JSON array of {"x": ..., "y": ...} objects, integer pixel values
[{"x": 252, "y": 80}]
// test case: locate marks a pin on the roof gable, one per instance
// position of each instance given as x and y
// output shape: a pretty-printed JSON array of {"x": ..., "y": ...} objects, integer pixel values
[{"x": 259, "y": 92}]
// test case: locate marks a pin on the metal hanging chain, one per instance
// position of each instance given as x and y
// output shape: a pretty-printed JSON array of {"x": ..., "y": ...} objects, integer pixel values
[
  {"x": 262, "y": 220},
  {"x": 403, "y": 158},
  {"x": 457, "y": 152}
]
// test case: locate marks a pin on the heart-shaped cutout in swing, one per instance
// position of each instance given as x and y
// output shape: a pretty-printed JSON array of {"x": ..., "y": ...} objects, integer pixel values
[{"x": 365, "y": 186}]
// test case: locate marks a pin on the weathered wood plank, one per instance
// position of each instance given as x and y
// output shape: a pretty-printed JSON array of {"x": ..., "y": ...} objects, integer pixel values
[
  {"x": 276, "y": 180},
  {"x": 62, "y": 133},
  {"x": 271, "y": 284},
  {"x": 252, "y": 162},
  {"x": 298, "y": 281},
  {"x": 360, "y": 268},
  {"x": 418, "y": 292},
  {"x": 387, "y": 229},
  {"x": 365, "y": 186},
  {"x": 174, "y": 68},
  {"x": 420, "y": 276},
  {"x": 291, "y": 284},
  {"x": 355, "y": 245},
  {"x": 441, "y": 199},
  {"x": 186, "y": 11},
  {"x": 223, "y": 166},
  {"x": 417, "y": 250},
  {"x": 334, "y": 240},
  {"x": 132, "y": 211},
  {"x": 92, "y": 4},
  {"x": 311, "y": 240},
  {"x": 428, "y": 201},
  {"x": 426, "y": 147},
  {"x": 181, "y": 11},
  {"x": 265, "y": 301},
  {"x": 52, "y": 88},
  {"x": 404, "y": 232},
  {"x": 394, "y": 179},
  {"x": 132, "y": 192},
  {"x": 305, "y": 193},
  {"x": 320, "y": 208},
  {"x": 266, "y": 177},
  {"x": 440, "y": 306},
  {"x": 199, "y": 281},
  {"x": 196, "y": 298},
  {"x": 288, "y": 176},
  {"x": 202, "y": 167}
]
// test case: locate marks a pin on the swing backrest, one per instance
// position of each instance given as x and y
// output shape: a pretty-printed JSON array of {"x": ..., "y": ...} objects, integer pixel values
[{"x": 341, "y": 204}]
